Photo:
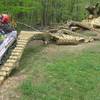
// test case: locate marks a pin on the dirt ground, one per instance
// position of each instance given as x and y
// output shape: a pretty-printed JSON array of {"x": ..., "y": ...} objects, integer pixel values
[{"x": 7, "y": 90}]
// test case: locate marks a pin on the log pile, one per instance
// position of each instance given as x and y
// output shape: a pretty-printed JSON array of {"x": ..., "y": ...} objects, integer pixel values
[
  {"x": 73, "y": 31},
  {"x": 84, "y": 26},
  {"x": 67, "y": 39},
  {"x": 66, "y": 36}
]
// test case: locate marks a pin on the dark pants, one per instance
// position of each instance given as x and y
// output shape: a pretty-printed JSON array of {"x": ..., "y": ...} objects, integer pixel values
[{"x": 6, "y": 28}]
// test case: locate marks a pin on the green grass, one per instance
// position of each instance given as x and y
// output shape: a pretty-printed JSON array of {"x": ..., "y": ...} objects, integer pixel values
[{"x": 61, "y": 76}]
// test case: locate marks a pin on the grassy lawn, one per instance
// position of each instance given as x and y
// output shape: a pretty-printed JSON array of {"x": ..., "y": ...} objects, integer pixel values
[{"x": 61, "y": 73}]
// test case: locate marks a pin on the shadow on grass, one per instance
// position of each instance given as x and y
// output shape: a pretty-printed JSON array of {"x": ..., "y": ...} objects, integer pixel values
[{"x": 30, "y": 55}]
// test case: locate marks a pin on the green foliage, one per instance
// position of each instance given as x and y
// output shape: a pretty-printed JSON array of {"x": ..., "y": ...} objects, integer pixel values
[{"x": 45, "y": 12}]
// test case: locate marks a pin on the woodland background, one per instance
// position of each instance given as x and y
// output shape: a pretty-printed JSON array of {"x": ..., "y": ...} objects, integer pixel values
[{"x": 45, "y": 12}]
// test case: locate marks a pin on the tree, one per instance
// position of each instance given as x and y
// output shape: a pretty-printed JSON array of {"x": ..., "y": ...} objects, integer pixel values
[{"x": 45, "y": 12}]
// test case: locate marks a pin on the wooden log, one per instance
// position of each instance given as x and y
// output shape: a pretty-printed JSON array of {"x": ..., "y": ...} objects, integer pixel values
[
  {"x": 53, "y": 30},
  {"x": 84, "y": 26},
  {"x": 68, "y": 39},
  {"x": 7, "y": 69},
  {"x": 3, "y": 73},
  {"x": 2, "y": 78},
  {"x": 79, "y": 24},
  {"x": 67, "y": 42},
  {"x": 69, "y": 32}
]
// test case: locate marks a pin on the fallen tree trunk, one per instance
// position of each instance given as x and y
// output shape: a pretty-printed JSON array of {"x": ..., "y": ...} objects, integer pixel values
[
  {"x": 67, "y": 42},
  {"x": 63, "y": 39},
  {"x": 79, "y": 24},
  {"x": 84, "y": 26},
  {"x": 65, "y": 36},
  {"x": 69, "y": 32}
]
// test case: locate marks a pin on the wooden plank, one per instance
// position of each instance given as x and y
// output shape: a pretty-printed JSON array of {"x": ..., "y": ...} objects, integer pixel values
[
  {"x": 2, "y": 78},
  {"x": 3, "y": 73},
  {"x": 16, "y": 54}
]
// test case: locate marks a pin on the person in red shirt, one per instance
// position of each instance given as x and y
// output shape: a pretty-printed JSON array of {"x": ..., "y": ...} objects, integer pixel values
[
  {"x": 4, "y": 19},
  {"x": 5, "y": 25}
]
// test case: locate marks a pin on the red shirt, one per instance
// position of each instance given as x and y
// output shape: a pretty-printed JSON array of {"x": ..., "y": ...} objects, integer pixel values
[{"x": 5, "y": 19}]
